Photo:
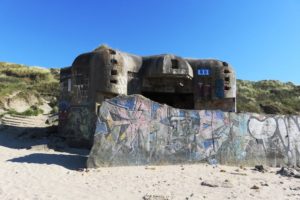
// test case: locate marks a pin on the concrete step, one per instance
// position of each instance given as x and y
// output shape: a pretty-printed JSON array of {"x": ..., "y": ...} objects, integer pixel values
[
  {"x": 16, "y": 124},
  {"x": 23, "y": 120},
  {"x": 18, "y": 121},
  {"x": 29, "y": 118},
  {"x": 6, "y": 123}
]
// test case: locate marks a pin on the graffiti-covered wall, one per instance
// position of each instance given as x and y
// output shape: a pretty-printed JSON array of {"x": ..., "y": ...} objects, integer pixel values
[
  {"x": 133, "y": 130},
  {"x": 77, "y": 125}
]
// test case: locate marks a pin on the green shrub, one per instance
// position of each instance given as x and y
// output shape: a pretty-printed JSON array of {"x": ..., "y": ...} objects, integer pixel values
[
  {"x": 32, "y": 111},
  {"x": 54, "y": 110},
  {"x": 24, "y": 79},
  {"x": 253, "y": 96}
]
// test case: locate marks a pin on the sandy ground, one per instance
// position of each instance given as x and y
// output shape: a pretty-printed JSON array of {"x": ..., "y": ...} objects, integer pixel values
[{"x": 42, "y": 173}]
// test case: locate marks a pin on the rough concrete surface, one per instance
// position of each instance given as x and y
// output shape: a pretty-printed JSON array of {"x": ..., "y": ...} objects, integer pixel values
[{"x": 133, "y": 130}]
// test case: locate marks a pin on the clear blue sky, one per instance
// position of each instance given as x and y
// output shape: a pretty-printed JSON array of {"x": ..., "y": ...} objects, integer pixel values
[{"x": 260, "y": 38}]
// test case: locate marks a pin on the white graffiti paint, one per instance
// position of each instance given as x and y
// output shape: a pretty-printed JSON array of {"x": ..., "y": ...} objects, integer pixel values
[
  {"x": 135, "y": 130},
  {"x": 286, "y": 137},
  {"x": 262, "y": 129}
]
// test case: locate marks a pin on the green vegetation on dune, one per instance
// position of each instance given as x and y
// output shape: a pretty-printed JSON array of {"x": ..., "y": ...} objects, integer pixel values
[
  {"x": 25, "y": 80},
  {"x": 268, "y": 96},
  {"x": 32, "y": 111},
  {"x": 24, "y": 72},
  {"x": 20, "y": 77}
]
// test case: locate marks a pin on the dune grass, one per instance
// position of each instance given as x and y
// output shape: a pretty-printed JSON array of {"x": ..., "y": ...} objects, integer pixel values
[
  {"x": 265, "y": 95},
  {"x": 25, "y": 80},
  {"x": 32, "y": 111},
  {"x": 252, "y": 96}
]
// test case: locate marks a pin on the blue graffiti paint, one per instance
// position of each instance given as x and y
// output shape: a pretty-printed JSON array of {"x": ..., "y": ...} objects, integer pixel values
[
  {"x": 180, "y": 136},
  {"x": 219, "y": 88},
  {"x": 124, "y": 102},
  {"x": 220, "y": 115},
  {"x": 181, "y": 113},
  {"x": 205, "y": 126},
  {"x": 165, "y": 121},
  {"x": 63, "y": 105},
  {"x": 154, "y": 107},
  {"x": 203, "y": 72},
  {"x": 194, "y": 114},
  {"x": 101, "y": 128},
  {"x": 207, "y": 113},
  {"x": 207, "y": 143}
]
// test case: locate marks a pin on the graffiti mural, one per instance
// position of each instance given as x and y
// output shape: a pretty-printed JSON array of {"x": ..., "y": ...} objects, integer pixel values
[
  {"x": 277, "y": 134},
  {"x": 78, "y": 126},
  {"x": 133, "y": 130}
]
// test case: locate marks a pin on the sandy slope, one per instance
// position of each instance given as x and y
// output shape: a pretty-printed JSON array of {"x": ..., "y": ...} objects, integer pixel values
[{"x": 40, "y": 173}]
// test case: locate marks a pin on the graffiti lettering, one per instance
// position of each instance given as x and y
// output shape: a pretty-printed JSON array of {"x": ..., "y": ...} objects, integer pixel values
[{"x": 135, "y": 130}]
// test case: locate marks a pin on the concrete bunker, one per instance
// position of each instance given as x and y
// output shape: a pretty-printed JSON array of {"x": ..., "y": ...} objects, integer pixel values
[
  {"x": 167, "y": 79},
  {"x": 176, "y": 100}
]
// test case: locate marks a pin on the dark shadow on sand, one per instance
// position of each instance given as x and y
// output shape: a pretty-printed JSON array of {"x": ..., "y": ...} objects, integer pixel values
[
  {"x": 11, "y": 137},
  {"x": 27, "y": 137},
  {"x": 71, "y": 162}
]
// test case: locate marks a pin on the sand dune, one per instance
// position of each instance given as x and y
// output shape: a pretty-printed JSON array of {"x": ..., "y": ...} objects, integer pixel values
[{"x": 30, "y": 170}]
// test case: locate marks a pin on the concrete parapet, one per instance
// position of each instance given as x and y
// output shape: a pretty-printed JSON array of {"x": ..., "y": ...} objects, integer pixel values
[{"x": 133, "y": 130}]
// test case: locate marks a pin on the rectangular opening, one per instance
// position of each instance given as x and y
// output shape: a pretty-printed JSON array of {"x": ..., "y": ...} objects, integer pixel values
[
  {"x": 225, "y": 64},
  {"x": 98, "y": 109},
  {"x": 111, "y": 51},
  {"x": 227, "y": 87},
  {"x": 113, "y": 72},
  {"x": 114, "y": 61},
  {"x": 176, "y": 100},
  {"x": 174, "y": 64},
  {"x": 132, "y": 75},
  {"x": 226, "y": 71},
  {"x": 113, "y": 81},
  {"x": 133, "y": 83},
  {"x": 227, "y": 79},
  {"x": 109, "y": 96}
]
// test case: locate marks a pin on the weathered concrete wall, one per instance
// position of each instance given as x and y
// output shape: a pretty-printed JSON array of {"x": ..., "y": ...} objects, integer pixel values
[
  {"x": 166, "y": 78},
  {"x": 77, "y": 126},
  {"x": 133, "y": 130}
]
